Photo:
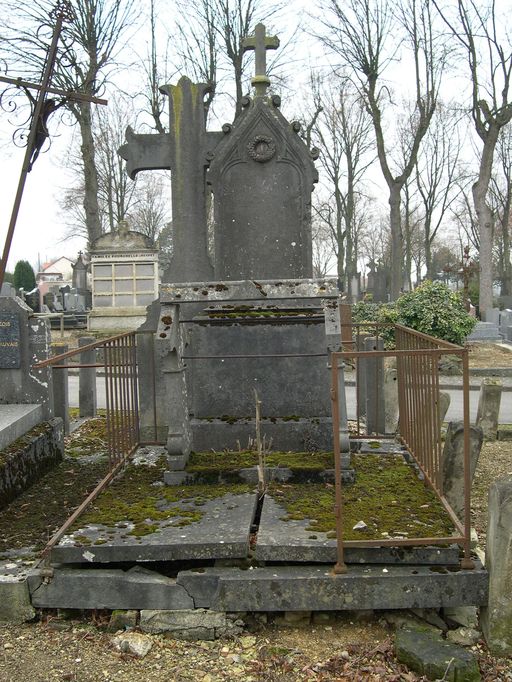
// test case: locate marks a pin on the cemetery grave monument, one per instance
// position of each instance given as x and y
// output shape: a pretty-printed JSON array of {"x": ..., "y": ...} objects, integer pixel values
[{"x": 238, "y": 316}]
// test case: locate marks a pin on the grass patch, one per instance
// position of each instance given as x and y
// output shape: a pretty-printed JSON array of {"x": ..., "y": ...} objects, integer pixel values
[{"x": 387, "y": 496}]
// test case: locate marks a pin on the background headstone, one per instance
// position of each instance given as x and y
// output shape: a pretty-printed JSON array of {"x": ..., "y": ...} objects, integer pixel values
[
  {"x": 22, "y": 384},
  {"x": 453, "y": 462},
  {"x": 489, "y": 403}
]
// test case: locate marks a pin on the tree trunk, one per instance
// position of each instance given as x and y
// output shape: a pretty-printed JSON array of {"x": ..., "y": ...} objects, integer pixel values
[
  {"x": 91, "y": 208},
  {"x": 506, "y": 285},
  {"x": 396, "y": 241},
  {"x": 485, "y": 221}
]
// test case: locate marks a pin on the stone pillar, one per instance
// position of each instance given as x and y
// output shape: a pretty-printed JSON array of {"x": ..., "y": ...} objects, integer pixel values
[
  {"x": 60, "y": 388},
  {"x": 444, "y": 405},
  {"x": 375, "y": 416},
  {"x": 390, "y": 400},
  {"x": 496, "y": 618},
  {"x": 361, "y": 380},
  {"x": 489, "y": 407},
  {"x": 342, "y": 406},
  {"x": 87, "y": 379},
  {"x": 453, "y": 462},
  {"x": 169, "y": 347}
]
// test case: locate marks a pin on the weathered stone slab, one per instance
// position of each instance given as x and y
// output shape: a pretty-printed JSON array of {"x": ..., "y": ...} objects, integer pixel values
[
  {"x": 316, "y": 588},
  {"x": 20, "y": 383},
  {"x": 137, "y": 588},
  {"x": 15, "y": 606},
  {"x": 222, "y": 532},
  {"x": 428, "y": 654},
  {"x": 16, "y": 420},
  {"x": 248, "y": 290},
  {"x": 190, "y": 624},
  {"x": 497, "y": 617},
  {"x": 453, "y": 462},
  {"x": 489, "y": 407},
  {"x": 313, "y": 433},
  {"x": 280, "y": 540},
  {"x": 223, "y": 385}
]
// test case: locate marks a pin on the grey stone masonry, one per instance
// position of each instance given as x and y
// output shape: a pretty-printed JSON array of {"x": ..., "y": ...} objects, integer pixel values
[
  {"x": 374, "y": 375},
  {"x": 453, "y": 462},
  {"x": 316, "y": 588},
  {"x": 87, "y": 379},
  {"x": 21, "y": 383},
  {"x": 496, "y": 618},
  {"x": 60, "y": 387},
  {"x": 489, "y": 407},
  {"x": 262, "y": 176},
  {"x": 137, "y": 588}
]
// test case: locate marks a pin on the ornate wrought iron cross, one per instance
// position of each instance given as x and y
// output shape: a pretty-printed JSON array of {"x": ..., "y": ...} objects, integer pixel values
[
  {"x": 42, "y": 109},
  {"x": 260, "y": 42}
]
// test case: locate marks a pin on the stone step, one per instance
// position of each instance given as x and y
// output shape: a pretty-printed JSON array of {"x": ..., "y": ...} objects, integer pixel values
[
  {"x": 316, "y": 588},
  {"x": 16, "y": 420},
  {"x": 276, "y": 588}
]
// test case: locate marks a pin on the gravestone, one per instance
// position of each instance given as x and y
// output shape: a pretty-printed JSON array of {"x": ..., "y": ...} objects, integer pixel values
[
  {"x": 244, "y": 314},
  {"x": 7, "y": 290},
  {"x": 24, "y": 341},
  {"x": 453, "y": 462}
]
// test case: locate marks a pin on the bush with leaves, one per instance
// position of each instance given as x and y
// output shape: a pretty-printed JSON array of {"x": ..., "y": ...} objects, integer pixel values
[{"x": 431, "y": 308}]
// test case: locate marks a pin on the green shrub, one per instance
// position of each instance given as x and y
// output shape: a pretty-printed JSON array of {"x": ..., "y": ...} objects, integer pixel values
[{"x": 431, "y": 308}]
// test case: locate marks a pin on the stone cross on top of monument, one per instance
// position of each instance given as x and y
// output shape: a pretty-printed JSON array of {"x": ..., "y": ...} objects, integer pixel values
[
  {"x": 260, "y": 42},
  {"x": 257, "y": 173}
]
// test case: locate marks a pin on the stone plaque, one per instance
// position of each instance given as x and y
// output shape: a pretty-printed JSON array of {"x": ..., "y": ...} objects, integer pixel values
[{"x": 10, "y": 357}]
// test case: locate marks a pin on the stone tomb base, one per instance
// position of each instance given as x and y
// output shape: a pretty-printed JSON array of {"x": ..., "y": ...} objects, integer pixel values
[{"x": 216, "y": 544}]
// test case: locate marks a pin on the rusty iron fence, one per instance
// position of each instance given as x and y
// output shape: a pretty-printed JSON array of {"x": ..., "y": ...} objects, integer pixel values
[
  {"x": 119, "y": 365},
  {"x": 417, "y": 359}
]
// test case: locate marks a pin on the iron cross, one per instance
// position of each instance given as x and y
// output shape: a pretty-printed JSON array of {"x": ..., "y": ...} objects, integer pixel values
[
  {"x": 43, "y": 108},
  {"x": 260, "y": 42}
]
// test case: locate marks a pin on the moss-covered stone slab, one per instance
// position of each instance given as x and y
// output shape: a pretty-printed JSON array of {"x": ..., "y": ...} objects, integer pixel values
[
  {"x": 221, "y": 531},
  {"x": 280, "y": 540},
  {"x": 428, "y": 654},
  {"x": 138, "y": 518}
]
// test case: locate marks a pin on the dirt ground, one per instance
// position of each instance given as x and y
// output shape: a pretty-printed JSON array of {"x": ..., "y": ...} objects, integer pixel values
[
  {"x": 82, "y": 651},
  {"x": 489, "y": 355}
]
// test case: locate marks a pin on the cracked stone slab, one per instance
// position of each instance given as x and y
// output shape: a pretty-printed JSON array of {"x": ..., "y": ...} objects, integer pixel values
[
  {"x": 221, "y": 533},
  {"x": 137, "y": 588},
  {"x": 248, "y": 290},
  {"x": 280, "y": 540},
  {"x": 15, "y": 606},
  {"x": 316, "y": 588}
]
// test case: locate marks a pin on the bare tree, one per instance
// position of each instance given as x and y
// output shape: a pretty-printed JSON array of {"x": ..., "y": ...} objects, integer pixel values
[
  {"x": 211, "y": 41},
  {"x": 91, "y": 43},
  {"x": 341, "y": 128},
  {"x": 480, "y": 31},
  {"x": 367, "y": 35},
  {"x": 141, "y": 202},
  {"x": 436, "y": 170},
  {"x": 501, "y": 194}
]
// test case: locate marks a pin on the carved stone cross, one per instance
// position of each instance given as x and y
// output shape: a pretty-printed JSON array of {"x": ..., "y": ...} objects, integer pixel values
[{"x": 260, "y": 42}]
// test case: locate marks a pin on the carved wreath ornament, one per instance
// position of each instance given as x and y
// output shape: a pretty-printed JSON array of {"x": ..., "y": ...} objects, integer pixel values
[{"x": 262, "y": 148}]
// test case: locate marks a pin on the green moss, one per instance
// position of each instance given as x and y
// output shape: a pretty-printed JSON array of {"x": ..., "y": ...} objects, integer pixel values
[
  {"x": 387, "y": 496},
  {"x": 200, "y": 462},
  {"x": 89, "y": 439},
  {"x": 134, "y": 498},
  {"x": 248, "y": 312}
]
